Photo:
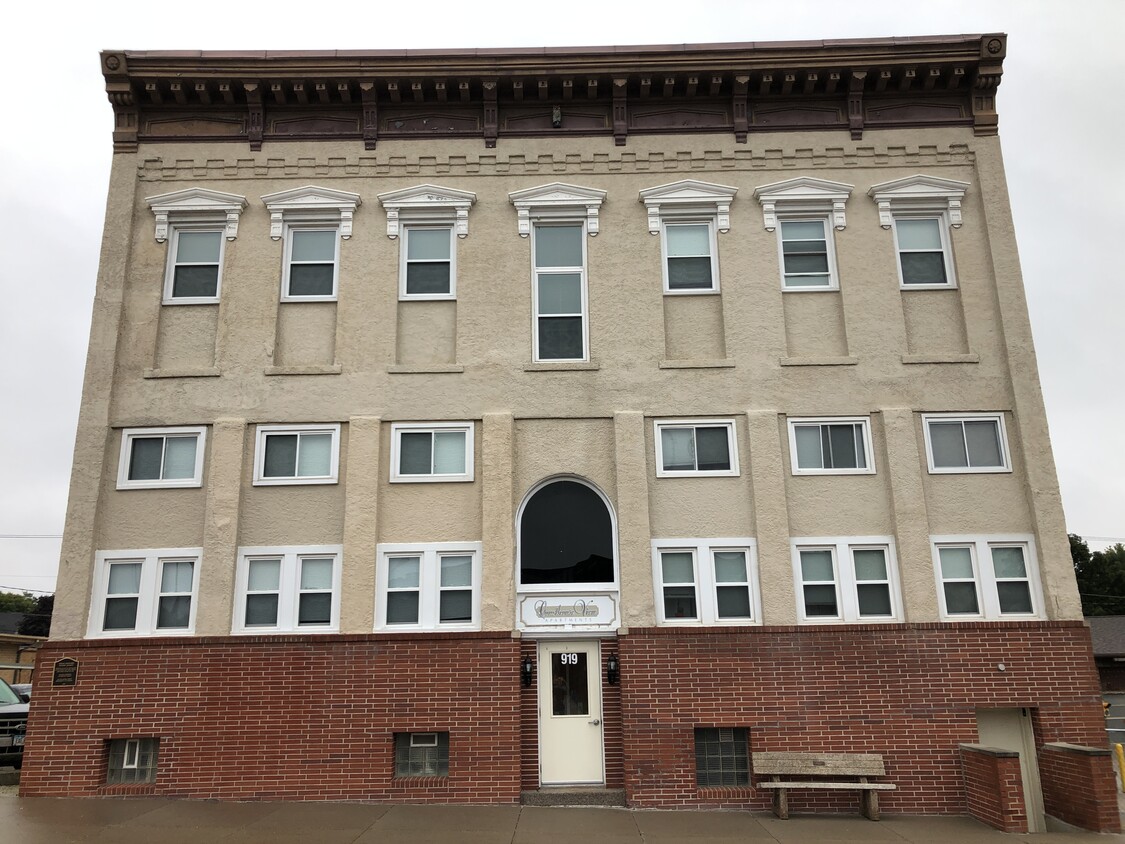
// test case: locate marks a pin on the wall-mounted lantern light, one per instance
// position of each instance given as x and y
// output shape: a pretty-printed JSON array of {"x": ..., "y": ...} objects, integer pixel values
[
  {"x": 527, "y": 671},
  {"x": 612, "y": 669}
]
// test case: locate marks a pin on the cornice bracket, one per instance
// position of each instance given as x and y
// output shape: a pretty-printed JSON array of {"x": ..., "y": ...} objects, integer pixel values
[
  {"x": 369, "y": 97},
  {"x": 855, "y": 104},
  {"x": 255, "y": 117},
  {"x": 491, "y": 120},
  {"x": 620, "y": 111},
  {"x": 738, "y": 106}
]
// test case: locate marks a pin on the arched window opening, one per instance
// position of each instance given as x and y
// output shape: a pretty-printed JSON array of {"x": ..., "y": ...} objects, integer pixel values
[{"x": 566, "y": 536}]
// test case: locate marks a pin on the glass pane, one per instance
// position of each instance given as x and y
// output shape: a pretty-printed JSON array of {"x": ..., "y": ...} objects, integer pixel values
[
  {"x": 947, "y": 441},
  {"x": 676, "y": 567},
  {"x": 449, "y": 452},
  {"x": 261, "y": 610},
  {"x": 712, "y": 449},
  {"x": 923, "y": 267},
  {"x": 730, "y": 566},
  {"x": 176, "y": 577},
  {"x": 427, "y": 279},
  {"x": 315, "y": 608},
  {"x": 402, "y": 573},
  {"x": 455, "y": 605},
  {"x": 802, "y": 230},
  {"x": 281, "y": 456},
  {"x": 874, "y": 599},
  {"x": 560, "y": 293},
  {"x": 679, "y": 602},
  {"x": 1008, "y": 562},
  {"x": 124, "y": 579},
  {"x": 961, "y": 599},
  {"x": 1015, "y": 596},
  {"x": 558, "y": 246},
  {"x": 733, "y": 601},
  {"x": 173, "y": 612},
  {"x": 316, "y": 574},
  {"x": 820, "y": 601},
  {"x": 842, "y": 440},
  {"x": 956, "y": 563},
  {"x": 314, "y": 246},
  {"x": 689, "y": 274},
  {"x": 414, "y": 457},
  {"x": 566, "y": 536},
  {"x": 816, "y": 565},
  {"x": 677, "y": 446},
  {"x": 264, "y": 576},
  {"x": 200, "y": 281},
  {"x": 807, "y": 281},
  {"x": 179, "y": 457},
  {"x": 569, "y": 684},
  {"x": 198, "y": 247},
  {"x": 918, "y": 234},
  {"x": 983, "y": 440},
  {"x": 145, "y": 459},
  {"x": 120, "y": 614},
  {"x": 810, "y": 262},
  {"x": 693, "y": 239},
  {"x": 402, "y": 608},
  {"x": 560, "y": 338},
  {"x": 311, "y": 279},
  {"x": 808, "y": 446},
  {"x": 870, "y": 564},
  {"x": 457, "y": 571},
  {"x": 427, "y": 244},
  {"x": 315, "y": 456}
]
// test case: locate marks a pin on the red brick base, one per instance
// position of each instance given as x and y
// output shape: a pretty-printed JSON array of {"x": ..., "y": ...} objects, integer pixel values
[
  {"x": 1079, "y": 786},
  {"x": 994, "y": 787}
]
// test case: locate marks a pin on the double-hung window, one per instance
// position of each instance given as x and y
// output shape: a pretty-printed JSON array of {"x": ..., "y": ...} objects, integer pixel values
[
  {"x": 807, "y": 259},
  {"x": 297, "y": 454},
  {"x": 831, "y": 446},
  {"x": 987, "y": 577},
  {"x": 706, "y": 581},
  {"x": 924, "y": 254},
  {"x": 690, "y": 257},
  {"x": 428, "y": 269},
  {"x": 431, "y": 452},
  {"x": 695, "y": 448},
  {"x": 145, "y": 593},
  {"x": 687, "y": 215},
  {"x": 966, "y": 443},
  {"x": 804, "y": 212},
  {"x": 161, "y": 457},
  {"x": 561, "y": 328},
  {"x": 432, "y": 586},
  {"x": 921, "y": 210},
  {"x": 288, "y": 589},
  {"x": 311, "y": 258},
  {"x": 846, "y": 579}
]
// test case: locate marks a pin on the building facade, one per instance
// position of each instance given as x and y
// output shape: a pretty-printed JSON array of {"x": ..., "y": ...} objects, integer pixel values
[{"x": 465, "y": 424}]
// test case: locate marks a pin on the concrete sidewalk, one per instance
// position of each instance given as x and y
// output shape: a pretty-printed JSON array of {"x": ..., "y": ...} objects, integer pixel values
[{"x": 61, "y": 821}]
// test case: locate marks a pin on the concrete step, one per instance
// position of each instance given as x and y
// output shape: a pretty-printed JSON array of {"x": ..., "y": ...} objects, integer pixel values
[{"x": 573, "y": 796}]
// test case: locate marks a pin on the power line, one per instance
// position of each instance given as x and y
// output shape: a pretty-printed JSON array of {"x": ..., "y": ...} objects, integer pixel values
[
  {"x": 30, "y": 536},
  {"x": 25, "y": 589}
]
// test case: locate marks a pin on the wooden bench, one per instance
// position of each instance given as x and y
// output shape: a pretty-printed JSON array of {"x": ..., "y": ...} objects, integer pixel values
[{"x": 798, "y": 767}]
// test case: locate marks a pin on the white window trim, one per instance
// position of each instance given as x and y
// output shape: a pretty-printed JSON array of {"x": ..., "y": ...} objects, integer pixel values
[
  {"x": 310, "y": 207},
  {"x": 290, "y": 228},
  {"x": 806, "y": 199},
  {"x": 829, "y": 245},
  {"x": 1005, "y": 454},
  {"x": 732, "y": 446},
  {"x": 289, "y": 586},
  {"x": 713, "y": 247},
  {"x": 152, "y": 561},
  {"x": 847, "y": 596},
  {"x": 689, "y": 201},
  {"x": 869, "y": 451},
  {"x": 127, "y": 436},
  {"x": 581, "y": 271},
  {"x": 703, "y": 557},
  {"x": 197, "y": 205},
  {"x": 946, "y": 251},
  {"x": 429, "y": 583},
  {"x": 175, "y": 230},
  {"x": 987, "y": 599},
  {"x": 428, "y": 207},
  {"x": 407, "y": 229},
  {"x": 920, "y": 197},
  {"x": 399, "y": 428},
  {"x": 260, "y": 454}
]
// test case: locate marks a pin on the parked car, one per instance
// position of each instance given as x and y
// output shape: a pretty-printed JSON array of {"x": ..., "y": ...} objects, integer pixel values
[
  {"x": 13, "y": 726},
  {"x": 22, "y": 689}
]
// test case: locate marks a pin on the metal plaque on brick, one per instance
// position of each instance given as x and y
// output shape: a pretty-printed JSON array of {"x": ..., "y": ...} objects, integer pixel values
[
  {"x": 568, "y": 612},
  {"x": 65, "y": 672}
]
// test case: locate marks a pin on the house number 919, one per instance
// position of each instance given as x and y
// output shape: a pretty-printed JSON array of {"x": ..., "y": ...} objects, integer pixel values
[{"x": 569, "y": 659}]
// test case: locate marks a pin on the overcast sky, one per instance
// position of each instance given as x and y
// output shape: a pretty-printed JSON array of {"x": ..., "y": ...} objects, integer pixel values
[{"x": 1061, "y": 125}]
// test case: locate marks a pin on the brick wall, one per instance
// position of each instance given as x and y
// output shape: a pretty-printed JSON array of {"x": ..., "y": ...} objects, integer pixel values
[
  {"x": 1079, "y": 786},
  {"x": 282, "y": 717},
  {"x": 994, "y": 787}
]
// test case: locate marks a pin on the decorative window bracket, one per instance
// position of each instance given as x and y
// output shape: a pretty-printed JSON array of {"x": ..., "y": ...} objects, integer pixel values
[
  {"x": 919, "y": 193},
  {"x": 804, "y": 194},
  {"x": 311, "y": 202},
  {"x": 428, "y": 204},
  {"x": 196, "y": 205},
  {"x": 557, "y": 201},
  {"x": 687, "y": 199}
]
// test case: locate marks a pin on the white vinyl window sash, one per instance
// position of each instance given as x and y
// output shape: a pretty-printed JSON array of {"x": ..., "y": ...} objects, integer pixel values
[
  {"x": 966, "y": 443},
  {"x": 195, "y": 261},
  {"x": 428, "y": 263},
  {"x": 432, "y": 452},
  {"x": 161, "y": 457},
  {"x": 288, "y": 589},
  {"x": 706, "y": 581},
  {"x": 924, "y": 254},
  {"x": 987, "y": 577},
  {"x": 851, "y": 579},
  {"x": 297, "y": 454},
  {"x": 146, "y": 592},
  {"x": 808, "y": 260},
  {"x": 695, "y": 447},
  {"x": 560, "y": 330},
  {"x": 831, "y": 446},
  {"x": 690, "y": 257},
  {"x": 311, "y": 264},
  {"x": 432, "y": 586}
]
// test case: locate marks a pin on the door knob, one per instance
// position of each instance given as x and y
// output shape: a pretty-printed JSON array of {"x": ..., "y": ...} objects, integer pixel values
[{"x": 596, "y": 721}]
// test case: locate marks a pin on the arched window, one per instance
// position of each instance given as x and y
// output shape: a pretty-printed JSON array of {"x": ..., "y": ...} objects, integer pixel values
[{"x": 566, "y": 536}]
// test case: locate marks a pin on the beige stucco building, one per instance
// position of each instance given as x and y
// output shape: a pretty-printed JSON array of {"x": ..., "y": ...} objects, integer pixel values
[{"x": 591, "y": 369}]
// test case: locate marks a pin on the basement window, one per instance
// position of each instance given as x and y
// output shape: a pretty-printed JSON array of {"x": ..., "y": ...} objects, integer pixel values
[
  {"x": 722, "y": 757},
  {"x": 421, "y": 755},
  {"x": 132, "y": 760}
]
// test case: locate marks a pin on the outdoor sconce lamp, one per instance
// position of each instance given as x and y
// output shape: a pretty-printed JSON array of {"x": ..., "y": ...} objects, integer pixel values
[
  {"x": 612, "y": 669},
  {"x": 527, "y": 670}
]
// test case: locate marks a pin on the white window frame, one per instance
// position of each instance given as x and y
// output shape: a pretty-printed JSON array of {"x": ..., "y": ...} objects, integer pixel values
[
  {"x": 713, "y": 254},
  {"x": 806, "y": 199},
  {"x": 988, "y": 601},
  {"x": 289, "y": 591},
  {"x": 942, "y": 220},
  {"x": 429, "y": 583},
  {"x": 732, "y": 448},
  {"x": 400, "y": 428},
  {"x": 290, "y": 230},
  {"x": 124, "y": 459},
  {"x": 152, "y": 562},
  {"x": 829, "y": 245},
  {"x": 584, "y": 315},
  {"x": 706, "y": 595},
  {"x": 1005, "y": 453},
  {"x": 844, "y": 579},
  {"x": 264, "y": 431},
  {"x": 404, "y": 261},
  {"x": 863, "y": 421},
  {"x": 176, "y": 229},
  {"x": 690, "y": 202}
]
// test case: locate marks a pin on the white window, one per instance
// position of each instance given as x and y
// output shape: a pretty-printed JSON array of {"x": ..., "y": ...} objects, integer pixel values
[
  {"x": 428, "y": 267},
  {"x": 288, "y": 589},
  {"x": 706, "y": 581},
  {"x": 297, "y": 454},
  {"x": 311, "y": 258},
  {"x": 561, "y": 330},
  {"x": 161, "y": 457},
  {"x": 195, "y": 262},
  {"x": 695, "y": 448},
  {"x": 687, "y": 214},
  {"x": 690, "y": 258},
  {"x": 961, "y": 443},
  {"x": 831, "y": 446},
  {"x": 808, "y": 260},
  {"x": 432, "y": 586},
  {"x": 431, "y": 452},
  {"x": 987, "y": 577},
  {"x": 150, "y": 592},
  {"x": 849, "y": 579},
  {"x": 924, "y": 252}
]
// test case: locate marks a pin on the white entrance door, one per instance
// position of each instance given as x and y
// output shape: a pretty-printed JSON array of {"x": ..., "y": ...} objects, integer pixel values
[
  {"x": 570, "y": 713},
  {"x": 1010, "y": 729}
]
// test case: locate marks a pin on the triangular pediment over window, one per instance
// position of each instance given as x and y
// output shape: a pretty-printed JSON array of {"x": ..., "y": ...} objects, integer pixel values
[
  {"x": 311, "y": 202},
  {"x": 804, "y": 194},
  {"x": 196, "y": 205},
  {"x": 557, "y": 201},
  {"x": 919, "y": 193},
  {"x": 688, "y": 198},
  {"x": 426, "y": 204}
]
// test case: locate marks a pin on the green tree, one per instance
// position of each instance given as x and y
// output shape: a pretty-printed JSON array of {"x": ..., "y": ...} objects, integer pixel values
[
  {"x": 1100, "y": 576},
  {"x": 13, "y": 602},
  {"x": 38, "y": 621}
]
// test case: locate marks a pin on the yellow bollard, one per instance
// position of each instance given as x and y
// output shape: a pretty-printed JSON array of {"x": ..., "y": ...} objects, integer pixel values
[{"x": 1120, "y": 764}]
